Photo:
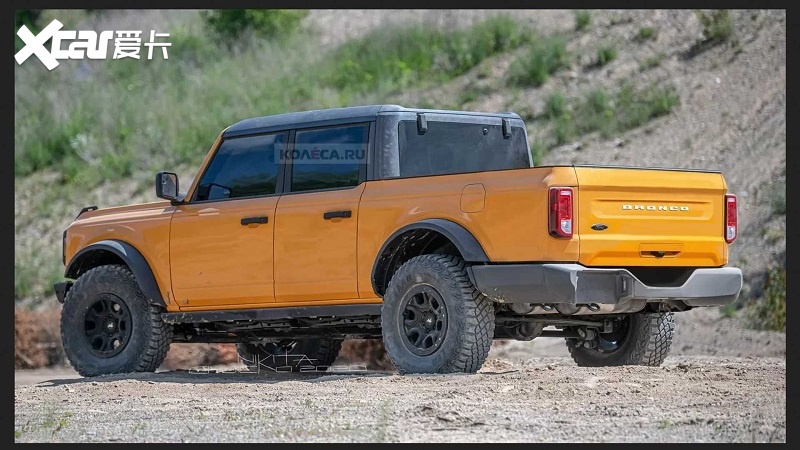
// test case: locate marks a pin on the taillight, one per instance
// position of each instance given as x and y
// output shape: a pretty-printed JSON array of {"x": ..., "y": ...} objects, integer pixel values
[
  {"x": 731, "y": 219},
  {"x": 560, "y": 217}
]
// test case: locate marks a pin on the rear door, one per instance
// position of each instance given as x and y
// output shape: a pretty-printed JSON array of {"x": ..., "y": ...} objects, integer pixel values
[
  {"x": 650, "y": 217},
  {"x": 317, "y": 216}
]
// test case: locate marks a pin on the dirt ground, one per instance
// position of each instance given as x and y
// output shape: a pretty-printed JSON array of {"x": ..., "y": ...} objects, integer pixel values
[{"x": 721, "y": 384}]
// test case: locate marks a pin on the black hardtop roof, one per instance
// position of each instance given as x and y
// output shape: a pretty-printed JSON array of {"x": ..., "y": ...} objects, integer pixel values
[{"x": 332, "y": 116}]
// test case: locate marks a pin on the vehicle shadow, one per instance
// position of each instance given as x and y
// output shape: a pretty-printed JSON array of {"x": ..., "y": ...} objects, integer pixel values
[{"x": 213, "y": 376}]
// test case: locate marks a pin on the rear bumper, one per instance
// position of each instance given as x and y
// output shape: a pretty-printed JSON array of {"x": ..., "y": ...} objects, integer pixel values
[{"x": 577, "y": 284}]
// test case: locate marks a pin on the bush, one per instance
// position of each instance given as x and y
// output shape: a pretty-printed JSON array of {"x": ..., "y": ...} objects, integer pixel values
[
  {"x": 230, "y": 23},
  {"x": 582, "y": 19},
  {"x": 651, "y": 61},
  {"x": 542, "y": 59},
  {"x": 646, "y": 33},
  {"x": 605, "y": 55},
  {"x": 27, "y": 17},
  {"x": 395, "y": 57},
  {"x": 717, "y": 25},
  {"x": 555, "y": 106},
  {"x": 537, "y": 151},
  {"x": 778, "y": 202},
  {"x": 606, "y": 114},
  {"x": 769, "y": 311}
]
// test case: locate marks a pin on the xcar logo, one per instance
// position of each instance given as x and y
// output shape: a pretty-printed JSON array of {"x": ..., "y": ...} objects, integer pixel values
[{"x": 85, "y": 43}]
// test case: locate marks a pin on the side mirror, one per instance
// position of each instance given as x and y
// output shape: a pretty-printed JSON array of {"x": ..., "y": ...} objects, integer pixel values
[{"x": 167, "y": 185}]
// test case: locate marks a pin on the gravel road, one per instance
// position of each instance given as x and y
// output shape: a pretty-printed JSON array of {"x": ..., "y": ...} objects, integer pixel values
[
  {"x": 698, "y": 399},
  {"x": 723, "y": 384}
]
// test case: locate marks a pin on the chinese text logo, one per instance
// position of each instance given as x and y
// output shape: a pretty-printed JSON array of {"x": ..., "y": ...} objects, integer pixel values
[{"x": 127, "y": 44}]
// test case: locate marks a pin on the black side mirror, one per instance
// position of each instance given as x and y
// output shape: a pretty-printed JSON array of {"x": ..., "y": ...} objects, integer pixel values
[{"x": 167, "y": 185}]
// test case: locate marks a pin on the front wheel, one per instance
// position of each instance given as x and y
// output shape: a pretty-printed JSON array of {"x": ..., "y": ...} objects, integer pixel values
[
  {"x": 637, "y": 339},
  {"x": 434, "y": 320},
  {"x": 108, "y": 326}
]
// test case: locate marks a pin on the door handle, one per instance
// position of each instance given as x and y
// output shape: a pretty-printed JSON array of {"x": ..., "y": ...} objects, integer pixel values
[
  {"x": 331, "y": 214},
  {"x": 259, "y": 219}
]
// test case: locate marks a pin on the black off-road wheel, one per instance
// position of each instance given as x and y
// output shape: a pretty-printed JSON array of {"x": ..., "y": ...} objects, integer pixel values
[
  {"x": 642, "y": 339},
  {"x": 288, "y": 355},
  {"x": 434, "y": 320},
  {"x": 108, "y": 326}
]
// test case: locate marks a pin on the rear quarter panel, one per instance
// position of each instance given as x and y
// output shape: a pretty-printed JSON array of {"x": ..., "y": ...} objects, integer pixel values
[{"x": 511, "y": 226}]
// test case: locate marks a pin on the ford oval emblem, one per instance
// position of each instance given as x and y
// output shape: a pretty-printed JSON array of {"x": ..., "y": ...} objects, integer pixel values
[{"x": 599, "y": 226}]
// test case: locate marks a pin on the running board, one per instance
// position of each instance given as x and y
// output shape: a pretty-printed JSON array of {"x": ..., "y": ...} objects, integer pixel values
[{"x": 293, "y": 312}]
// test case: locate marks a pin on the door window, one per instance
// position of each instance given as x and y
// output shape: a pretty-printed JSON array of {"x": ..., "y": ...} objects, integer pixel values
[
  {"x": 328, "y": 158},
  {"x": 243, "y": 167}
]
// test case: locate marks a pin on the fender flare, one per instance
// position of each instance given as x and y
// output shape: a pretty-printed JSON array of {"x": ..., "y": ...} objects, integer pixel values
[
  {"x": 132, "y": 258},
  {"x": 469, "y": 247}
]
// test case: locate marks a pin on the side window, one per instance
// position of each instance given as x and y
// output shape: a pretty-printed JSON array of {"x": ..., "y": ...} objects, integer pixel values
[
  {"x": 328, "y": 158},
  {"x": 459, "y": 147},
  {"x": 243, "y": 167}
]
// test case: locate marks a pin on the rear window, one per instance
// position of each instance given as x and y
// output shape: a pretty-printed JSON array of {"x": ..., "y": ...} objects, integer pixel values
[{"x": 455, "y": 147}]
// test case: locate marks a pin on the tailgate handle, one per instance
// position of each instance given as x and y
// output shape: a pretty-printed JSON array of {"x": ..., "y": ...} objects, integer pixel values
[
  {"x": 655, "y": 250},
  {"x": 660, "y": 254}
]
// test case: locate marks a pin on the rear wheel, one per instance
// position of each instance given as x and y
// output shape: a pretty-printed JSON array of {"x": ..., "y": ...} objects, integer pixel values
[
  {"x": 288, "y": 355},
  {"x": 434, "y": 320},
  {"x": 637, "y": 339},
  {"x": 108, "y": 326}
]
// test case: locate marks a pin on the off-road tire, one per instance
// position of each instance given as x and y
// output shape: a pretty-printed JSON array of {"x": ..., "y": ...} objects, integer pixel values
[
  {"x": 647, "y": 343},
  {"x": 470, "y": 317},
  {"x": 148, "y": 343},
  {"x": 306, "y": 355}
]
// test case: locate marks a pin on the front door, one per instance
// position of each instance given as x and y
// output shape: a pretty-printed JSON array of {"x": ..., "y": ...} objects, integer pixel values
[
  {"x": 316, "y": 220},
  {"x": 221, "y": 241}
]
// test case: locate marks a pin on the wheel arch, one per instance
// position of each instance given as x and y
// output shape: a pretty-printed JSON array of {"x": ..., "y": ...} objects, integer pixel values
[
  {"x": 113, "y": 251},
  {"x": 417, "y": 238}
]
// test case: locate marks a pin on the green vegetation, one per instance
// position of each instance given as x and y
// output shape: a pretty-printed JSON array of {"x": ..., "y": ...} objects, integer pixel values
[
  {"x": 609, "y": 114},
  {"x": 555, "y": 106},
  {"x": 230, "y": 23},
  {"x": 646, "y": 33},
  {"x": 778, "y": 202},
  {"x": 27, "y": 17},
  {"x": 538, "y": 150},
  {"x": 399, "y": 57},
  {"x": 717, "y": 25},
  {"x": 728, "y": 311},
  {"x": 582, "y": 19},
  {"x": 605, "y": 55},
  {"x": 542, "y": 58},
  {"x": 769, "y": 311},
  {"x": 651, "y": 61}
]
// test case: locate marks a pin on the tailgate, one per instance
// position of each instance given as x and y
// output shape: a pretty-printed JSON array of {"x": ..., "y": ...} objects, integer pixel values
[{"x": 652, "y": 217}]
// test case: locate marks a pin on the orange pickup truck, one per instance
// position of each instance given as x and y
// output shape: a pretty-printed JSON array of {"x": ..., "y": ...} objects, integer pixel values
[{"x": 429, "y": 229}]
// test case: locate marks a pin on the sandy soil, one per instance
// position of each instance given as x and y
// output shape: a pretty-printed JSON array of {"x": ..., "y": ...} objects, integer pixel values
[{"x": 716, "y": 387}]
